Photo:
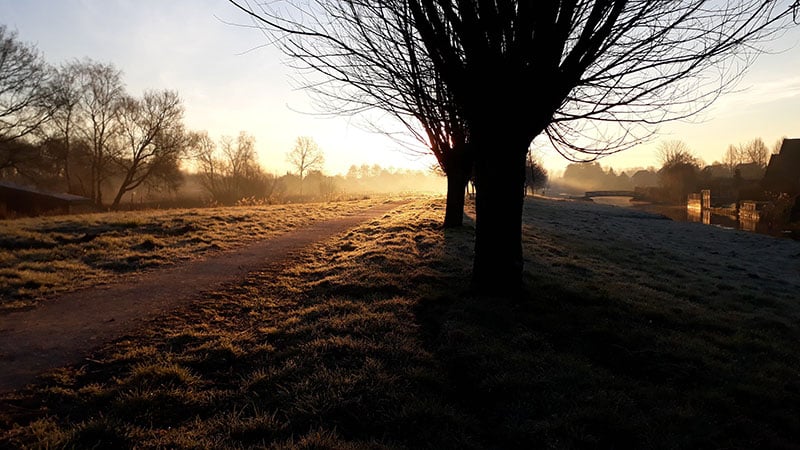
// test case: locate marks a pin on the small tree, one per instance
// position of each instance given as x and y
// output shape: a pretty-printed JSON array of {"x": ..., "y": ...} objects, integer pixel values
[
  {"x": 536, "y": 176},
  {"x": 304, "y": 157}
]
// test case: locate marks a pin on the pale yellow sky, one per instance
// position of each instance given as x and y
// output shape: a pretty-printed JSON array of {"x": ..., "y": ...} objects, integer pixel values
[{"x": 230, "y": 82}]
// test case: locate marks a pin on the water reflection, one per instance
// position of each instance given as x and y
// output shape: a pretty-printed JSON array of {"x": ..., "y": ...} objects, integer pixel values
[{"x": 748, "y": 220}]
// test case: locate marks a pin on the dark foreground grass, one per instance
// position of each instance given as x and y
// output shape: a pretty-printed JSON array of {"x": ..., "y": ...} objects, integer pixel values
[{"x": 373, "y": 342}]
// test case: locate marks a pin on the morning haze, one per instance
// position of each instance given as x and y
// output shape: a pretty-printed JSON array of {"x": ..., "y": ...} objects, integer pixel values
[{"x": 399, "y": 224}]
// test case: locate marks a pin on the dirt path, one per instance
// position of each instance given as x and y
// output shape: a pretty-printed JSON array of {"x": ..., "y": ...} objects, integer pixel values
[{"x": 66, "y": 328}]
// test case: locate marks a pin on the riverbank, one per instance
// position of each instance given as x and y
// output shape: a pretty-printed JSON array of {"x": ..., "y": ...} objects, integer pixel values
[
  {"x": 635, "y": 332},
  {"x": 616, "y": 244},
  {"x": 721, "y": 217}
]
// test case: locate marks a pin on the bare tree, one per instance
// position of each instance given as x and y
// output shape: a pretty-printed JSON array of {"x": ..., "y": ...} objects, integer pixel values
[
  {"x": 593, "y": 76},
  {"x": 66, "y": 90},
  {"x": 304, "y": 157},
  {"x": 152, "y": 137},
  {"x": 209, "y": 165},
  {"x": 372, "y": 59},
  {"x": 24, "y": 100},
  {"x": 536, "y": 175},
  {"x": 756, "y": 152},
  {"x": 102, "y": 93},
  {"x": 230, "y": 172},
  {"x": 733, "y": 157},
  {"x": 673, "y": 153}
]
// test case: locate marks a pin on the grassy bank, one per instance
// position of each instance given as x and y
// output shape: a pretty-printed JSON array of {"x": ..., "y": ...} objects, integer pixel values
[
  {"x": 628, "y": 337},
  {"x": 43, "y": 256}
]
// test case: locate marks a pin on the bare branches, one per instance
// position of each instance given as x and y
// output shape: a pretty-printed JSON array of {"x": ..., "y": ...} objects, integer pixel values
[
  {"x": 305, "y": 156},
  {"x": 152, "y": 137},
  {"x": 24, "y": 103},
  {"x": 356, "y": 57}
]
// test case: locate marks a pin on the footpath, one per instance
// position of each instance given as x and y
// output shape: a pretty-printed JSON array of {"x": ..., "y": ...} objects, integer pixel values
[{"x": 64, "y": 329}]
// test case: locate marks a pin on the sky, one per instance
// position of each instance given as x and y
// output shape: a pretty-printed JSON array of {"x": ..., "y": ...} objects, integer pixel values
[{"x": 230, "y": 81}]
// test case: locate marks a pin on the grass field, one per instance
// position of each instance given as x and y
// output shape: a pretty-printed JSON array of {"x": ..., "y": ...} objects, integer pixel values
[
  {"x": 372, "y": 340},
  {"x": 43, "y": 256}
]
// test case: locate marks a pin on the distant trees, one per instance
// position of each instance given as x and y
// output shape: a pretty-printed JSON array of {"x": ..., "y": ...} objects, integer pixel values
[
  {"x": 535, "y": 174},
  {"x": 230, "y": 172},
  {"x": 74, "y": 128},
  {"x": 752, "y": 152},
  {"x": 680, "y": 170},
  {"x": 305, "y": 156}
]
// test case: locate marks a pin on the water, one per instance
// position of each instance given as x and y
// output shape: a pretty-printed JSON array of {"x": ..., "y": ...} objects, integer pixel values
[{"x": 682, "y": 214}]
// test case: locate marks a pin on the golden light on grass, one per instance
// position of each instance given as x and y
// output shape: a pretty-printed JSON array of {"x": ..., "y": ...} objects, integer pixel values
[{"x": 40, "y": 257}]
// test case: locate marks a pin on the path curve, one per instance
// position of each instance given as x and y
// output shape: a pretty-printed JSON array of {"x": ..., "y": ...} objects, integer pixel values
[{"x": 66, "y": 328}]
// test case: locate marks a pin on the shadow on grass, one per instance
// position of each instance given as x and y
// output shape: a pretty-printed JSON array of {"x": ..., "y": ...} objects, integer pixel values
[{"x": 573, "y": 369}]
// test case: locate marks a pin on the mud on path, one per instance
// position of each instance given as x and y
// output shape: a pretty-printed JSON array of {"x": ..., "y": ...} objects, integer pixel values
[{"x": 66, "y": 328}]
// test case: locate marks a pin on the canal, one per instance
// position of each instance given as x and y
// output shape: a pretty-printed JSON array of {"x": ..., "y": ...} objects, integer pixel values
[{"x": 682, "y": 214}]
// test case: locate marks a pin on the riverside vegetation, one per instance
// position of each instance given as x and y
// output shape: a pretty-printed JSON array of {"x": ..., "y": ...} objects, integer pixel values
[{"x": 630, "y": 336}]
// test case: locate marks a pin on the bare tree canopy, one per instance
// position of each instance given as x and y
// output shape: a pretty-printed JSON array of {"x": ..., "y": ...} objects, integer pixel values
[
  {"x": 305, "y": 156},
  {"x": 593, "y": 76},
  {"x": 230, "y": 172},
  {"x": 151, "y": 137},
  {"x": 24, "y": 103},
  {"x": 361, "y": 57},
  {"x": 675, "y": 153}
]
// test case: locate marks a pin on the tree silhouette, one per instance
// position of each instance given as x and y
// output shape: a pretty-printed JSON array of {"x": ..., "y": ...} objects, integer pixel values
[
  {"x": 592, "y": 76},
  {"x": 371, "y": 58},
  {"x": 151, "y": 129},
  {"x": 24, "y": 97},
  {"x": 101, "y": 94},
  {"x": 305, "y": 156}
]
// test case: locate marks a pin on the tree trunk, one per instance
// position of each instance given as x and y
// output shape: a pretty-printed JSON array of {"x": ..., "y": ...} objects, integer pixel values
[
  {"x": 459, "y": 169},
  {"x": 454, "y": 212},
  {"x": 500, "y": 181},
  {"x": 118, "y": 198}
]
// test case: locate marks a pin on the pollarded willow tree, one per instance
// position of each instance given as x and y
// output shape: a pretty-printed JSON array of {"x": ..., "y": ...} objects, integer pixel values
[
  {"x": 592, "y": 76},
  {"x": 364, "y": 56}
]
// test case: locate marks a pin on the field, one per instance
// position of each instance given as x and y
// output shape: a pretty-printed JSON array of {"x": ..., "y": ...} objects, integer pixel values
[
  {"x": 635, "y": 332},
  {"x": 48, "y": 255}
]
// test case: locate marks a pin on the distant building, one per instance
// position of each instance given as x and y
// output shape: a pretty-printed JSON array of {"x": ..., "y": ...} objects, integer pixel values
[
  {"x": 717, "y": 171},
  {"x": 783, "y": 170},
  {"x": 749, "y": 171},
  {"x": 19, "y": 200},
  {"x": 644, "y": 178}
]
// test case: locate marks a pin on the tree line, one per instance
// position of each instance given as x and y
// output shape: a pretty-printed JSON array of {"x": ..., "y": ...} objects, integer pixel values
[
  {"x": 680, "y": 172},
  {"x": 76, "y": 129}
]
